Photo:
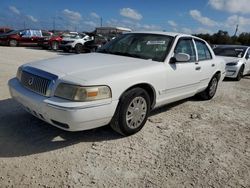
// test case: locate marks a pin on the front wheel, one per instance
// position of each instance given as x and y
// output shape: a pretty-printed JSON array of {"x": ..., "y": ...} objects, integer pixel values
[
  {"x": 54, "y": 45},
  {"x": 78, "y": 48},
  {"x": 240, "y": 73},
  {"x": 13, "y": 43},
  {"x": 211, "y": 89},
  {"x": 132, "y": 112}
]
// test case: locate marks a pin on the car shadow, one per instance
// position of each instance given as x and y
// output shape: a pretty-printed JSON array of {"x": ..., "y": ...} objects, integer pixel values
[
  {"x": 59, "y": 52},
  {"x": 246, "y": 77},
  {"x": 230, "y": 80},
  {"x": 169, "y": 106},
  {"x": 22, "y": 134}
]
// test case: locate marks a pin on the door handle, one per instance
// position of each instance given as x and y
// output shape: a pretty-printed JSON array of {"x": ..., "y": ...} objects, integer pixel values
[
  {"x": 198, "y": 68},
  {"x": 213, "y": 65}
]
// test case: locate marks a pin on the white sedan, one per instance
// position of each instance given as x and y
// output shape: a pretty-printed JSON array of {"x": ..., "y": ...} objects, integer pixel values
[
  {"x": 121, "y": 83},
  {"x": 237, "y": 60}
]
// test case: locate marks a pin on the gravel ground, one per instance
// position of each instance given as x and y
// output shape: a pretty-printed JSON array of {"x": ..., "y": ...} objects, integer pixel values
[{"x": 191, "y": 143}]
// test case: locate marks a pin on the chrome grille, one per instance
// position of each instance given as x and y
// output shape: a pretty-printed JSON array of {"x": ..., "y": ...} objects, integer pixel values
[{"x": 35, "y": 83}]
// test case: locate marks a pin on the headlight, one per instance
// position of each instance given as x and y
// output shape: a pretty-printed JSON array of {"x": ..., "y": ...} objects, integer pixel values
[
  {"x": 232, "y": 64},
  {"x": 19, "y": 73},
  {"x": 81, "y": 93}
]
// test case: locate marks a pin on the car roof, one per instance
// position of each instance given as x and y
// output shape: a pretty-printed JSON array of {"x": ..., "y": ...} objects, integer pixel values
[
  {"x": 173, "y": 34},
  {"x": 231, "y": 46}
]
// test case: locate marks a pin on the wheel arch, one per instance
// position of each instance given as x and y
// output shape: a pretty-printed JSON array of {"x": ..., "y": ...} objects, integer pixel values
[
  {"x": 148, "y": 88},
  {"x": 218, "y": 74}
]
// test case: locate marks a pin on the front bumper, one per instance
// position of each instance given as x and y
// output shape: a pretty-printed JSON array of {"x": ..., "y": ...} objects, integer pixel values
[
  {"x": 66, "y": 47},
  {"x": 231, "y": 71},
  {"x": 63, "y": 114}
]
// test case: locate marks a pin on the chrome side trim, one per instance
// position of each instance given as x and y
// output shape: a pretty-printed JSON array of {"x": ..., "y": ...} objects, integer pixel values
[{"x": 77, "y": 108}]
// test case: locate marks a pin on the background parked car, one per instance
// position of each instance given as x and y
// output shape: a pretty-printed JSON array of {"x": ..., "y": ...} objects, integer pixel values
[
  {"x": 237, "y": 60},
  {"x": 93, "y": 45},
  {"x": 18, "y": 37},
  {"x": 54, "y": 41},
  {"x": 75, "y": 42}
]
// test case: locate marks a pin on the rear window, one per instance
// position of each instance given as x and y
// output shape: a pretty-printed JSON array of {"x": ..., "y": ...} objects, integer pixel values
[
  {"x": 202, "y": 50},
  {"x": 230, "y": 51}
]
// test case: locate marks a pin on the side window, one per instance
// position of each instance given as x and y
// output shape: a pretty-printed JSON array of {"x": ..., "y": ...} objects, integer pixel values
[
  {"x": 186, "y": 46},
  {"x": 203, "y": 51}
]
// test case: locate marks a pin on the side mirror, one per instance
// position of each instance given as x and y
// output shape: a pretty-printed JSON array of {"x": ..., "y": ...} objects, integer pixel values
[{"x": 180, "y": 57}]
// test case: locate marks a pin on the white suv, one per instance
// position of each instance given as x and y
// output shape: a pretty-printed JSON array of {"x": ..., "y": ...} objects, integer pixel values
[
  {"x": 121, "y": 83},
  {"x": 74, "y": 42}
]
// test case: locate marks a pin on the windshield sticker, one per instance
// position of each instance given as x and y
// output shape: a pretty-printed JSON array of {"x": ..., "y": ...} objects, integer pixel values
[
  {"x": 156, "y": 42},
  {"x": 241, "y": 50}
]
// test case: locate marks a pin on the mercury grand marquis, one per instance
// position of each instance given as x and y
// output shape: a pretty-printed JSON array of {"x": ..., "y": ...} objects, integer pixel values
[{"x": 120, "y": 83}]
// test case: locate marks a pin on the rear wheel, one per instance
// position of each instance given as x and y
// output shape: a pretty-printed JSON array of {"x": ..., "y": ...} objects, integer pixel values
[
  {"x": 54, "y": 45},
  {"x": 211, "y": 89},
  {"x": 13, "y": 43},
  {"x": 78, "y": 48},
  {"x": 132, "y": 112},
  {"x": 240, "y": 73}
]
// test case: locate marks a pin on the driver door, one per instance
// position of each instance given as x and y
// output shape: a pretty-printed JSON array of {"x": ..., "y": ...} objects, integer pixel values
[{"x": 182, "y": 78}]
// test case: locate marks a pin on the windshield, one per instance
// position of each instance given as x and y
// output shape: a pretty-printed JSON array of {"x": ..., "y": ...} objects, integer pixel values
[
  {"x": 230, "y": 51},
  {"x": 76, "y": 36},
  {"x": 144, "y": 46}
]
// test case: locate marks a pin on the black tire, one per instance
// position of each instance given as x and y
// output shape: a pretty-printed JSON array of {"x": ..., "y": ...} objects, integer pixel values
[
  {"x": 240, "y": 73},
  {"x": 121, "y": 122},
  {"x": 66, "y": 50},
  {"x": 78, "y": 48},
  {"x": 93, "y": 49},
  {"x": 13, "y": 43},
  {"x": 211, "y": 89},
  {"x": 54, "y": 45}
]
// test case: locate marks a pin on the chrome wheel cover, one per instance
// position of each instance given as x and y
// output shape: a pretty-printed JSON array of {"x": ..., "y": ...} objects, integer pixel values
[
  {"x": 213, "y": 87},
  {"x": 136, "y": 112},
  {"x": 13, "y": 42},
  {"x": 54, "y": 45}
]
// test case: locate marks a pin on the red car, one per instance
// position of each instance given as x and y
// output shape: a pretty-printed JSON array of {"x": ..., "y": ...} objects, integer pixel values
[
  {"x": 54, "y": 41},
  {"x": 15, "y": 38}
]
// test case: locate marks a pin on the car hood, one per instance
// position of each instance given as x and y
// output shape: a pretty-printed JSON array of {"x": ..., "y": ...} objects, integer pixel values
[{"x": 92, "y": 66}]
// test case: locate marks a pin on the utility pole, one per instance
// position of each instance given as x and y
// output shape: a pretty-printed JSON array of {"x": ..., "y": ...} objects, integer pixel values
[
  {"x": 236, "y": 30},
  {"x": 101, "y": 21},
  {"x": 54, "y": 24}
]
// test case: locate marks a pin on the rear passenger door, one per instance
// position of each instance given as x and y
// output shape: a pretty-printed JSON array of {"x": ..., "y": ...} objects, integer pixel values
[{"x": 205, "y": 64}]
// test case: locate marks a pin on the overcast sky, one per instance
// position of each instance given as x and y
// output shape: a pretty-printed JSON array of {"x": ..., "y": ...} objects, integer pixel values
[{"x": 187, "y": 16}]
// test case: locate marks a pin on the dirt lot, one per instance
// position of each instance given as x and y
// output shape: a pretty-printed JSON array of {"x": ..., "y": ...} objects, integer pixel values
[{"x": 187, "y": 144}]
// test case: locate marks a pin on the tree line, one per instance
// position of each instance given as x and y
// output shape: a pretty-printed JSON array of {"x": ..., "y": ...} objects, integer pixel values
[{"x": 223, "y": 37}]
